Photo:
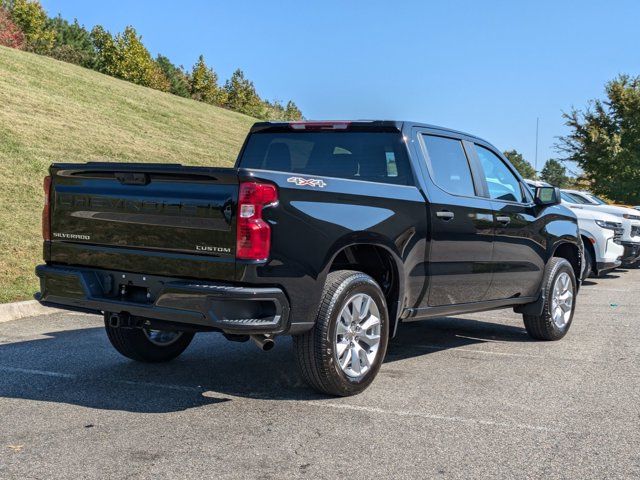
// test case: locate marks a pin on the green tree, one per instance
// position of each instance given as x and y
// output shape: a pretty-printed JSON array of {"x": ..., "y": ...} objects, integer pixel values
[
  {"x": 292, "y": 112},
  {"x": 32, "y": 20},
  {"x": 106, "y": 51},
  {"x": 524, "y": 168},
  {"x": 73, "y": 43},
  {"x": 605, "y": 141},
  {"x": 555, "y": 173},
  {"x": 178, "y": 79},
  {"x": 204, "y": 84},
  {"x": 124, "y": 56},
  {"x": 240, "y": 95},
  {"x": 273, "y": 110}
]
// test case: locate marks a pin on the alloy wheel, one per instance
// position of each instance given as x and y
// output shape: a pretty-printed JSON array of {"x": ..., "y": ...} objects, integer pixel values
[
  {"x": 562, "y": 300},
  {"x": 161, "y": 338},
  {"x": 358, "y": 335}
]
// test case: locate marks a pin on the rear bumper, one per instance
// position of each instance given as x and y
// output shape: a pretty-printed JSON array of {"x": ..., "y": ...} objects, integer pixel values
[{"x": 224, "y": 307}]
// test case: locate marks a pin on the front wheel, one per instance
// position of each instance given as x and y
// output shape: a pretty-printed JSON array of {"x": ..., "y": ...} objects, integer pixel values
[
  {"x": 559, "y": 290},
  {"x": 342, "y": 354},
  {"x": 147, "y": 345}
]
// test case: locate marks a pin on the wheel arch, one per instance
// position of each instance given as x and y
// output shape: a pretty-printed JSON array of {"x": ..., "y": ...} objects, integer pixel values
[
  {"x": 570, "y": 252},
  {"x": 379, "y": 261}
]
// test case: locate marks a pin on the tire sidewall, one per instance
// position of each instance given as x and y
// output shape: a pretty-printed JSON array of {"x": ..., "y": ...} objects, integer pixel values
[
  {"x": 360, "y": 284},
  {"x": 589, "y": 260},
  {"x": 133, "y": 343}
]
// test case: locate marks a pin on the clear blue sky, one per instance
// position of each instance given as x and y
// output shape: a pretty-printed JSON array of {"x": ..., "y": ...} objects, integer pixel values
[{"x": 486, "y": 67}]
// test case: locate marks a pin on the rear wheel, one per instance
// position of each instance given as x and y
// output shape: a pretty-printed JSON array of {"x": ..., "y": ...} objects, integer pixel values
[
  {"x": 148, "y": 345},
  {"x": 559, "y": 289},
  {"x": 342, "y": 354}
]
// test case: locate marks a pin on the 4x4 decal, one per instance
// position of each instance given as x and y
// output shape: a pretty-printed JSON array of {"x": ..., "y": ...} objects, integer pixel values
[{"x": 307, "y": 182}]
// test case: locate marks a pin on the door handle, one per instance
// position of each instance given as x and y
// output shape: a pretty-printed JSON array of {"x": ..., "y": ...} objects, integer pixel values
[
  {"x": 445, "y": 215},
  {"x": 503, "y": 220}
]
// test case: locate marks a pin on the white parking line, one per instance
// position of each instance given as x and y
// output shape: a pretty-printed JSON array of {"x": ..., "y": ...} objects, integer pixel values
[
  {"x": 399, "y": 413},
  {"x": 71, "y": 376},
  {"x": 453, "y": 348},
  {"x": 601, "y": 289},
  {"x": 430, "y": 416},
  {"x": 159, "y": 385},
  {"x": 490, "y": 340},
  {"x": 38, "y": 372}
]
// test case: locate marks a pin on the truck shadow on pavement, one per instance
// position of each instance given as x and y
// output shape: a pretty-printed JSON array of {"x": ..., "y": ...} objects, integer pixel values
[{"x": 79, "y": 367}]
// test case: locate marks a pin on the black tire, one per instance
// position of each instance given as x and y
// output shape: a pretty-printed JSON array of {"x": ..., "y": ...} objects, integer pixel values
[
  {"x": 315, "y": 350},
  {"x": 589, "y": 262},
  {"x": 542, "y": 327},
  {"x": 133, "y": 343}
]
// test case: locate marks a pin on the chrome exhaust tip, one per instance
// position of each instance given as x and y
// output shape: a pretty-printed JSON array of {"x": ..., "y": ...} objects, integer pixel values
[{"x": 263, "y": 342}]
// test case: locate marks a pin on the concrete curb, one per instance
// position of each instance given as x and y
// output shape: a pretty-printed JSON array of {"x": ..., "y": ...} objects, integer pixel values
[{"x": 18, "y": 310}]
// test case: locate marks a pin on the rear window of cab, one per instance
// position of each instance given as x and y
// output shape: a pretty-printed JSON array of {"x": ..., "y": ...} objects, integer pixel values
[{"x": 369, "y": 156}]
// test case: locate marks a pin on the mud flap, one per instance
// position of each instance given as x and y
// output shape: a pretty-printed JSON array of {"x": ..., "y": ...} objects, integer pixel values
[{"x": 533, "y": 308}]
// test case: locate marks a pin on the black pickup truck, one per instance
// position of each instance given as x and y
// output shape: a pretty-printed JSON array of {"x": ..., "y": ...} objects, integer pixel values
[{"x": 332, "y": 232}]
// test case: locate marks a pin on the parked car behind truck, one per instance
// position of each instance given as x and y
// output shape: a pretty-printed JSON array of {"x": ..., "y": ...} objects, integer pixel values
[
  {"x": 332, "y": 232},
  {"x": 601, "y": 235},
  {"x": 629, "y": 218}
]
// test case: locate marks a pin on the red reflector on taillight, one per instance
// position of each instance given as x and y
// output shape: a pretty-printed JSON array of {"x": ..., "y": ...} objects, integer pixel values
[
  {"x": 253, "y": 233},
  {"x": 46, "y": 211}
]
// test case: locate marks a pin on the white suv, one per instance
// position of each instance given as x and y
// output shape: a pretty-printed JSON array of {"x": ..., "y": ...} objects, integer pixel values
[
  {"x": 601, "y": 233},
  {"x": 629, "y": 217}
]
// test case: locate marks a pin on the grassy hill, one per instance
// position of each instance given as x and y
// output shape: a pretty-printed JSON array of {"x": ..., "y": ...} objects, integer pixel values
[{"x": 52, "y": 111}]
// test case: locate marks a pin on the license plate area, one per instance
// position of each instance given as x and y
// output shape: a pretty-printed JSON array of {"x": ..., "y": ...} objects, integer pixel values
[{"x": 134, "y": 293}]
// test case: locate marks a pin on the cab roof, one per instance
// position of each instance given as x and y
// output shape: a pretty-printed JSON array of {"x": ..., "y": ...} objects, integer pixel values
[{"x": 369, "y": 125}]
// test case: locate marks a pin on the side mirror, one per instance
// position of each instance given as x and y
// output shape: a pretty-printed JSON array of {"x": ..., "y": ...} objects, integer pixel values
[{"x": 546, "y": 196}]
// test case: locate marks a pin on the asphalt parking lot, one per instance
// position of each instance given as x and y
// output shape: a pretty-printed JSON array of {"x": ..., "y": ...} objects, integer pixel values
[{"x": 459, "y": 397}]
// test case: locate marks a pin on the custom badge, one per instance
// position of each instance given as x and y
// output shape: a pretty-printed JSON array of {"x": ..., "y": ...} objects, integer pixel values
[{"x": 307, "y": 182}]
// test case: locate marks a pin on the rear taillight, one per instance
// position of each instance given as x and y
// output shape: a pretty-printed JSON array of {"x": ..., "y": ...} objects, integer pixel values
[
  {"x": 46, "y": 211},
  {"x": 254, "y": 234}
]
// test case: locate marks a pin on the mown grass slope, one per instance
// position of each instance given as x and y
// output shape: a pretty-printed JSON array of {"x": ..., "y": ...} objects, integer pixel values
[{"x": 52, "y": 111}]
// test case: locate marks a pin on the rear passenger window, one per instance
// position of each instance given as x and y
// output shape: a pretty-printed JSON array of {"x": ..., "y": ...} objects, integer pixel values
[
  {"x": 449, "y": 165},
  {"x": 371, "y": 156}
]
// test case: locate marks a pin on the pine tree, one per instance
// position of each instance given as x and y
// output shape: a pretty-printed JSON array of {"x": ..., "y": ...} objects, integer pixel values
[
  {"x": 604, "y": 140},
  {"x": 524, "y": 168},
  {"x": 178, "y": 79},
  {"x": 555, "y": 173},
  {"x": 126, "y": 57},
  {"x": 273, "y": 110},
  {"x": 292, "y": 112},
  {"x": 204, "y": 84},
  {"x": 241, "y": 96},
  {"x": 73, "y": 43}
]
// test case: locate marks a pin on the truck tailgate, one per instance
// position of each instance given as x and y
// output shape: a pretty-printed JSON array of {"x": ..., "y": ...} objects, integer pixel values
[{"x": 139, "y": 215}]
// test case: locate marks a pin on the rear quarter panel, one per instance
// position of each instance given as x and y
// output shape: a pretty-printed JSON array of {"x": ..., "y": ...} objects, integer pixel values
[{"x": 311, "y": 224}]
